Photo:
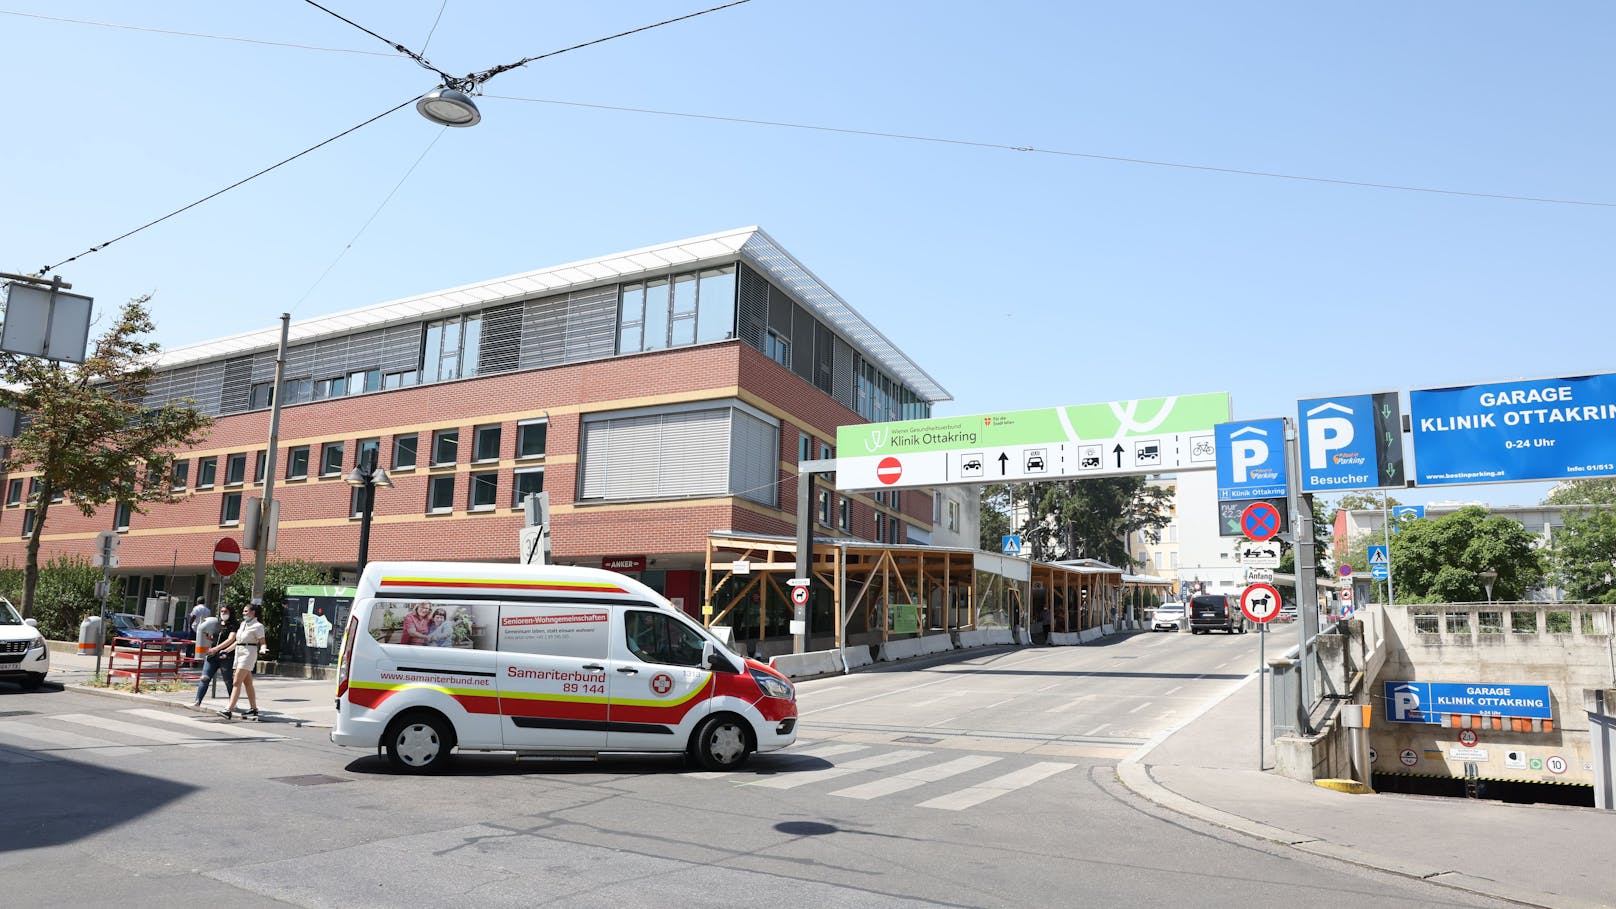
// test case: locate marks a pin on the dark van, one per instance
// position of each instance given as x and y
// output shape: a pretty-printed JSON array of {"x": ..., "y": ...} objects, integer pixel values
[{"x": 1212, "y": 611}]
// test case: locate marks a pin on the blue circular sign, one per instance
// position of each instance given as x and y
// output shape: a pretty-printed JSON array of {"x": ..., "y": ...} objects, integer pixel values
[{"x": 1260, "y": 521}]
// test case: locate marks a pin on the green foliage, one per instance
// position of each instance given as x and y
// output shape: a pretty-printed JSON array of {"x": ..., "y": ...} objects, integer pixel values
[
  {"x": 1436, "y": 560},
  {"x": 1584, "y": 559},
  {"x": 66, "y": 594},
  {"x": 1363, "y": 501},
  {"x": 279, "y": 574},
  {"x": 1599, "y": 491},
  {"x": 1070, "y": 519},
  {"x": 88, "y": 433},
  {"x": 1323, "y": 533}
]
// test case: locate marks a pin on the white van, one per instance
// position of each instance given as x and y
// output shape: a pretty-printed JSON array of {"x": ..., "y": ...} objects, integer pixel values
[{"x": 544, "y": 660}]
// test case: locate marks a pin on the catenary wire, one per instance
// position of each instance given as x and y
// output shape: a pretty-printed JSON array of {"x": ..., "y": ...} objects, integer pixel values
[
  {"x": 100, "y": 246},
  {"x": 1121, "y": 159},
  {"x": 434, "y": 29},
  {"x": 424, "y": 62},
  {"x": 169, "y": 31}
]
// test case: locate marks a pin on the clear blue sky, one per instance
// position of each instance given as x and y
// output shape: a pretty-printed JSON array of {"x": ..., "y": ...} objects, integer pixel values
[{"x": 1017, "y": 279}]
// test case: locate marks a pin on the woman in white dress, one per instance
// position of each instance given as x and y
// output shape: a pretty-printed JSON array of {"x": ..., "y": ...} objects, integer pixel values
[{"x": 247, "y": 644}]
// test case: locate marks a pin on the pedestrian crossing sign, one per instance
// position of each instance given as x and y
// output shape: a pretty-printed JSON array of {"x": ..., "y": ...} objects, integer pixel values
[
  {"x": 1010, "y": 544},
  {"x": 1378, "y": 556}
]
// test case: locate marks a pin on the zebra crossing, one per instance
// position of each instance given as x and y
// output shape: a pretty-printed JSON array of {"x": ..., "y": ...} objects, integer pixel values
[
  {"x": 121, "y": 734},
  {"x": 897, "y": 770}
]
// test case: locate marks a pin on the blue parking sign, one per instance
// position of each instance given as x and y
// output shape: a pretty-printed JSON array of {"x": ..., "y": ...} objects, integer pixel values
[
  {"x": 1351, "y": 442},
  {"x": 1251, "y": 459}
]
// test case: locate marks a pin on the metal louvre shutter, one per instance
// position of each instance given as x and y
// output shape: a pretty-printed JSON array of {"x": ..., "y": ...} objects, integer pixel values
[
  {"x": 842, "y": 375},
  {"x": 824, "y": 357},
  {"x": 802, "y": 343},
  {"x": 364, "y": 352},
  {"x": 402, "y": 347},
  {"x": 780, "y": 311},
  {"x": 656, "y": 455},
  {"x": 544, "y": 332},
  {"x": 591, "y": 324},
  {"x": 501, "y": 346},
  {"x": 237, "y": 385},
  {"x": 753, "y": 307},
  {"x": 754, "y": 458}
]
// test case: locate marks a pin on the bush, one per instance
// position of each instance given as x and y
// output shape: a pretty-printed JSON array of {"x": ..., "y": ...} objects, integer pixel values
[
  {"x": 65, "y": 595},
  {"x": 278, "y": 575}
]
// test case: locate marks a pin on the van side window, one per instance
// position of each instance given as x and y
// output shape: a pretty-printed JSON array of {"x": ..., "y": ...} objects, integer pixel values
[{"x": 657, "y": 637}]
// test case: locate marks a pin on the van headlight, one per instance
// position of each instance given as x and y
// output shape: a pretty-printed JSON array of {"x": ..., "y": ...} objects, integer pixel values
[{"x": 773, "y": 687}]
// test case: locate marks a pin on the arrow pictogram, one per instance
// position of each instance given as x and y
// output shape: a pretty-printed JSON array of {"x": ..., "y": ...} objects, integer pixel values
[
  {"x": 1118, "y": 452},
  {"x": 1003, "y": 460}
]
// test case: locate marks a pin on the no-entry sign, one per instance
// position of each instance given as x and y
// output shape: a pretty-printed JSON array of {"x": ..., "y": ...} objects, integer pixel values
[
  {"x": 226, "y": 557},
  {"x": 889, "y": 471}
]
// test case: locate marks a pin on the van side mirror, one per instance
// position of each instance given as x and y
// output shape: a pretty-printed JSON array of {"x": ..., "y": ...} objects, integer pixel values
[{"x": 713, "y": 660}]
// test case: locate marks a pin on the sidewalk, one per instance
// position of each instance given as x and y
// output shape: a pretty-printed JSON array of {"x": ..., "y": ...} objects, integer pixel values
[
  {"x": 1538, "y": 855},
  {"x": 302, "y": 701}
]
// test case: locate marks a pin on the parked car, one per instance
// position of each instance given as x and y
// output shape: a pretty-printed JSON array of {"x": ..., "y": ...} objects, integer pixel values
[
  {"x": 1168, "y": 617},
  {"x": 24, "y": 658},
  {"x": 132, "y": 626},
  {"x": 1213, "y": 611},
  {"x": 1287, "y": 613}
]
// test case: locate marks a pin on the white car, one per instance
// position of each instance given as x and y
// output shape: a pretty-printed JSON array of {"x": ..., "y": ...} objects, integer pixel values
[
  {"x": 24, "y": 658},
  {"x": 1168, "y": 617}
]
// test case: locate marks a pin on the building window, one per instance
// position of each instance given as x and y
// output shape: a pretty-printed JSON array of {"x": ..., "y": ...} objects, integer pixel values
[
  {"x": 681, "y": 452},
  {"x": 356, "y": 501},
  {"x": 824, "y": 506},
  {"x": 954, "y": 516},
  {"x": 404, "y": 452},
  {"x": 297, "y": 463},
  {"x": 178, "y": 477},
  {"x": 526, "y": 483},
  {"x": 485, "y": 443},
  {"x": 235, "y": 471},
  {"x": 690, "y": 308},
  {"x": 230, "y": 509},
  {"x": 444, "y": 445},
  {"x": 330, "y": 388},
  {"x": 531, "y": 438},
  {"x": 401, "y": 379},
  {"x": 484, "y": 491},
  {"x": 27, "y": 522},
  {"x": 827, "y": 451},
  {"x": 897, "y": 530},
  {"x": 331, "y": 455},
  {"x": 369, "y": 448},
  {"x": 363, "y": 380},
  {"x": 844, "y": 515},
  {"x": 14, "y": 492},
  {"x": 261, "y": 396},
  {"x": 449, "y": 348},
  {"x": 258, "y": 466},
  {"x": 778, "y": 349},
  {"x": 440, "y": 494},
  {"x": 805, "y": 446},
  {"x": 295, "y": 391},
  {"x": 205, "y": 472},
  {"x": 120, "y": 516}
]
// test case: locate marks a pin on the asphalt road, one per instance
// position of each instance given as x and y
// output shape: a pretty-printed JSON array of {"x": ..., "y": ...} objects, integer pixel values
[{"x": 983, "y": 782}]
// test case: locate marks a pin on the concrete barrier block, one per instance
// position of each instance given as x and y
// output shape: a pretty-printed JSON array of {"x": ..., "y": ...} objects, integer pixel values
[
  {"x": 1065, "y": 638},
  {"x": 801, "y": 665},
  {"x": 936, "y": 643},
  {"x": 858, "y": 657}
]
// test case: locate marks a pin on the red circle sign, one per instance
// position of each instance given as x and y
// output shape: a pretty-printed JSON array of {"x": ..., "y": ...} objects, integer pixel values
[
  {"x": 226, "y": 557},
  {"x": 799, "y": 595},
  {"x": 1260, "y": 602},
  {"x": 889, "y": 470},
  {"x": 1260, "y": 521},
  {"x": 1467, "y": 738},
  {"x": 662, "y": 683}
]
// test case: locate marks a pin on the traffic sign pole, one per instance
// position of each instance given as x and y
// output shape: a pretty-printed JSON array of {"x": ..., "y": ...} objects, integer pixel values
[
  {"x": 1386, "y": 528},
  {"x": 1307, "y": 592}
]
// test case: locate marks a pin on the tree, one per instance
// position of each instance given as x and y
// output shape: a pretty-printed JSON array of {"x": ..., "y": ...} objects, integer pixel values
[
  {"x": 1070, "y": 519},
  {"x": 1323, "y": 534},
  {"x": 1598, "y": 491},
  {"x": 1585, "y": 556},
  {"x": 1363, "y": 501},
  {"x": 1437, "y": 560},
  {"x": 87, "y": 433},
  {"x": 994, "y": 520}
]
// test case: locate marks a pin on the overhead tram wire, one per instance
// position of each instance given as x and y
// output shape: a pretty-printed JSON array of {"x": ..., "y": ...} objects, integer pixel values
[
  {"x": 169, "y": 31},
  {"x": 1028, "y": 149},
  {"x": 352, "y": 129}
]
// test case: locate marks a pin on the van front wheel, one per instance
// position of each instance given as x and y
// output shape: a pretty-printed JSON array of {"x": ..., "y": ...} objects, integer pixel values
[
  {"x": 419, "y": 743},
  {"x": 720, "y": 743}
]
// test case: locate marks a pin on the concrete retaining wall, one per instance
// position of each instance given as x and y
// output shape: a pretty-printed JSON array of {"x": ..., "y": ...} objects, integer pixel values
[{"x": 913, "y": 647}]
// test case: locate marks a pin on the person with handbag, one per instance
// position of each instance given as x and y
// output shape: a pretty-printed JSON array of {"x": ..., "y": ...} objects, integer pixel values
[
  {"x": 208, "y": 633},
  {"x": 247, "y": 644}
]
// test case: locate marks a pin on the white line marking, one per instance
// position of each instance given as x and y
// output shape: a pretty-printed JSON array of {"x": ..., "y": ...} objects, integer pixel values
[
  {"x": 1174, "y": 688},
  {"x": 821, "y": 750},
  {"x": 928, "y": 703},
  {"x": 67, "y": 739},
  {"x": 992, "y": 789},
  {"x": 874, "y": 761},
  {"x": 149, "y": 733},
  {"x": 873, "y": 697},
  {"x": 912, "y": 778},
  {"x": 190, "y": 722},
  {"x": 942, "y": 721},
  {"x": 1097, "y": 729},
  {"x": 1061, "y": 708},
  {"x": 1140, "y": 707}
]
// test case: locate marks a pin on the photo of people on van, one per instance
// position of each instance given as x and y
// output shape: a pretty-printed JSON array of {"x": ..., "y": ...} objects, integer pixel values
[{"x": 422, "y": 623}]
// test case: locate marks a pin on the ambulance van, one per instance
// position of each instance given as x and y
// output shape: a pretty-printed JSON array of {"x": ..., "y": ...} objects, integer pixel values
[{"x": 544, "y": 660}]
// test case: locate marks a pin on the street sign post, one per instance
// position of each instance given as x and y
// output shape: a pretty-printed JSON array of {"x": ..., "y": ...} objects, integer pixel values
[
  {"x": 226, "y": 556},
  {"x": 1251, "y": 459},
  {"x": 1351, "y": 442},
  {"x": 1152, "y": 435},
  {"x": 1380, "y": 562},
  {"x": 1263, "y": 554},
  {"x": 1260, "y": 603},
  {"x": 1543, "y": 429}
]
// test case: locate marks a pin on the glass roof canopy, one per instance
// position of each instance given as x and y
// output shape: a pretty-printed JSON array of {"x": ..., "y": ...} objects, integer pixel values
[{"x": 750, "y": 244}]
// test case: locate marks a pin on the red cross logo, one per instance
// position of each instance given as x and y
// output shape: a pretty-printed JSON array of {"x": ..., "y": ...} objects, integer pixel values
[{"x": 662, "y": 683}]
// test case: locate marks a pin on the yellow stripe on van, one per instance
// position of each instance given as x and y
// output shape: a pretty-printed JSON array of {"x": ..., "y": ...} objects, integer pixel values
[
  {"x": 384, "y": 686},
  {"x": 502, "y": 584}
]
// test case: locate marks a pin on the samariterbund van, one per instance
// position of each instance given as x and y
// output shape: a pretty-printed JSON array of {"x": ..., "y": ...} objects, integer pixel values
[{"x": 544, "y": 660}]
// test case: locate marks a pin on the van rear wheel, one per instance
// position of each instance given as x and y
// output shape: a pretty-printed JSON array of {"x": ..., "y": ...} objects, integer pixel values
[
  {"x": 419, "y": 743},
  {"x": 720, "y": 743}
]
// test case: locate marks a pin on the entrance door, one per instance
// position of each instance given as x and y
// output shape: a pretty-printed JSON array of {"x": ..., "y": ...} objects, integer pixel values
[
  {"x": 659, "y": 690},
  {"x": 552, "y": 676}
]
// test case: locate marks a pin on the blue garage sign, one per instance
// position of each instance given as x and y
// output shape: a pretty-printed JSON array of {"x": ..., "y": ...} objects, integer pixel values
[
  {"x": 1251, "y": 459},
  {"x": 1544, "y": 429},
  {"x": 1351, "y": 442},
  {"x": 1428, "y": 702}
]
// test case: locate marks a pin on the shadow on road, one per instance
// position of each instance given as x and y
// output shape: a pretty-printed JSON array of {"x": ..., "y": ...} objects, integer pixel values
[{"x": 58, "y": 800}]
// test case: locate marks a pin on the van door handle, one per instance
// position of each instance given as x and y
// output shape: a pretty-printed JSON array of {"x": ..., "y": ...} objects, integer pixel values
[
  {"x": 628, "y": 670},
  {"x": 595, "y": 666}
]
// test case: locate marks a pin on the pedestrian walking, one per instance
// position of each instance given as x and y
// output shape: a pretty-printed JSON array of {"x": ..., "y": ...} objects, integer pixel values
[
  {"x": 199, "y": 613},
  {"x": 211, "y": 634},
  {"x": 247, "y": 643}
]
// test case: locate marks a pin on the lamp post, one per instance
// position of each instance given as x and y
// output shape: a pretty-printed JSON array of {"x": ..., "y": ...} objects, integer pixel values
[
  {"x": 1487, "y": 576},
  {"x": 366, "y": 477}
]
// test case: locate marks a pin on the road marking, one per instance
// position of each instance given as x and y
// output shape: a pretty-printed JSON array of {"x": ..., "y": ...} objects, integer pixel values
[
  {"x": 799, "y": 756},
  {"x": 992, "y": 789},
  {"x": 1174, "y": 688},
  {"x": 149, "y": 733},
  {"x": 1062, "y": 708},
  {"x": 190, "y": 722},
  {"x": 999, "y": 703},
  {"x": 951, "y": 694},
  {"x": 1140, "y": 707},
  {"x": 912, "y": 778},
  {"x": 942, "y": 721},
  {"x": 1097, "y": 729},
  {"x": 873, "y": 762},
  {"x": 885, "y": 694},
  {"x": 68, "y": 739}
]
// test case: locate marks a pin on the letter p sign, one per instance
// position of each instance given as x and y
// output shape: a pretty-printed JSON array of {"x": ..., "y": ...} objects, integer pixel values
[
  {"x": 1326, "y": 434},
  {"x": 1403, "y": 703},
  {"x": 1246, "y": 454}
]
